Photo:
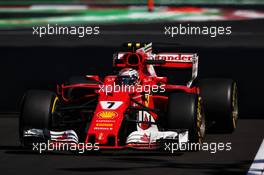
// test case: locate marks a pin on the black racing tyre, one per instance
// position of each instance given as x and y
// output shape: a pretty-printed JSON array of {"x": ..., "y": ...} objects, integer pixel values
[
  {"x": 220, "y": 102},
  {"x": 36, "y": 111},
  {"x": 185, "y": 112}
]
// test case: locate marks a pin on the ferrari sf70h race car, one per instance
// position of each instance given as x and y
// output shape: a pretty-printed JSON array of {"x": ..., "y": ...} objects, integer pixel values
[{"x": 133, "y": 108}]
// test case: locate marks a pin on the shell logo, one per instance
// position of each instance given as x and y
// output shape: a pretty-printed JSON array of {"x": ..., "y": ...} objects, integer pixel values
[{"x": 107, "y": 114}]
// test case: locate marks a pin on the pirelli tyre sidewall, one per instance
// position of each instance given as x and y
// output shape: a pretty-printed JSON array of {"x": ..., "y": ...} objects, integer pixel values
[
  {"x": 220, "y": 103},
  {"x": 185, "y": 111},
  {"x": 37, "y": 108}
]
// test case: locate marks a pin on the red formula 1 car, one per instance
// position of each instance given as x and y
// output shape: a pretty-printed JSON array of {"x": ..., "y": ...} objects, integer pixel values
[{"x": 134, "y": 108}]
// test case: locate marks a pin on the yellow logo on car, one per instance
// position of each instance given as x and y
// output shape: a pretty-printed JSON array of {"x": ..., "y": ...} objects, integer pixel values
[
  {"x": 104, "y": 124},
  {"x": 107, "y": 114}
]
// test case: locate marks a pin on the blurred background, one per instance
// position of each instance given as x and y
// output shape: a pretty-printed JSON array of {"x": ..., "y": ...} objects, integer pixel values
[{"x": 23, "y": 13}]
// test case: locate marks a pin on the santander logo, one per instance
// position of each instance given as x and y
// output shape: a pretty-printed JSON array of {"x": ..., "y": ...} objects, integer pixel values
[{"x": 174, "y": 57}]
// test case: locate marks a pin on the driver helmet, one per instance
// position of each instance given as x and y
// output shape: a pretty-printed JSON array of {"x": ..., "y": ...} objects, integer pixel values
[{"x": 128, "y": 76}]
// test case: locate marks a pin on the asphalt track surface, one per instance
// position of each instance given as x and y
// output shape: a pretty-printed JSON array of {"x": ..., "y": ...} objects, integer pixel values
[{"x": 245, "y": 144}]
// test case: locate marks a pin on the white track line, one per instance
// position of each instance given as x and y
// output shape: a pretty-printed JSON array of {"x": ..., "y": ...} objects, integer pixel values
[{"x": 257, "y": 167}]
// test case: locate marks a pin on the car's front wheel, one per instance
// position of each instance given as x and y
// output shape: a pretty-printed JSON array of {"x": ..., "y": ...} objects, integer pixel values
[
  {"x": 185, "y": 112},
  {"x": 36, "y": 112}
]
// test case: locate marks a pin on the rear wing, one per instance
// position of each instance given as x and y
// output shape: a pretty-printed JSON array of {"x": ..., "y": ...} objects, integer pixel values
[{"x": 179, "y": 60}]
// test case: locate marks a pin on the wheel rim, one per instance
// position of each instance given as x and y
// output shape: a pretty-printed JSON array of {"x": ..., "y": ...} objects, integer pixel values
[
  {"x": 200, "y": 122},
  {"x": 234, "y": 106},
  {"x": 53, "y": 112},
  {"x": 54, "y": 104}
]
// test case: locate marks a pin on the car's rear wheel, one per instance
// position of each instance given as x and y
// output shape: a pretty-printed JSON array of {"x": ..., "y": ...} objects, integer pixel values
[
  {"x": 220, "y": 103},
  {"x": 185, "y": 112},
  {"x": 36, "y": 112}
]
